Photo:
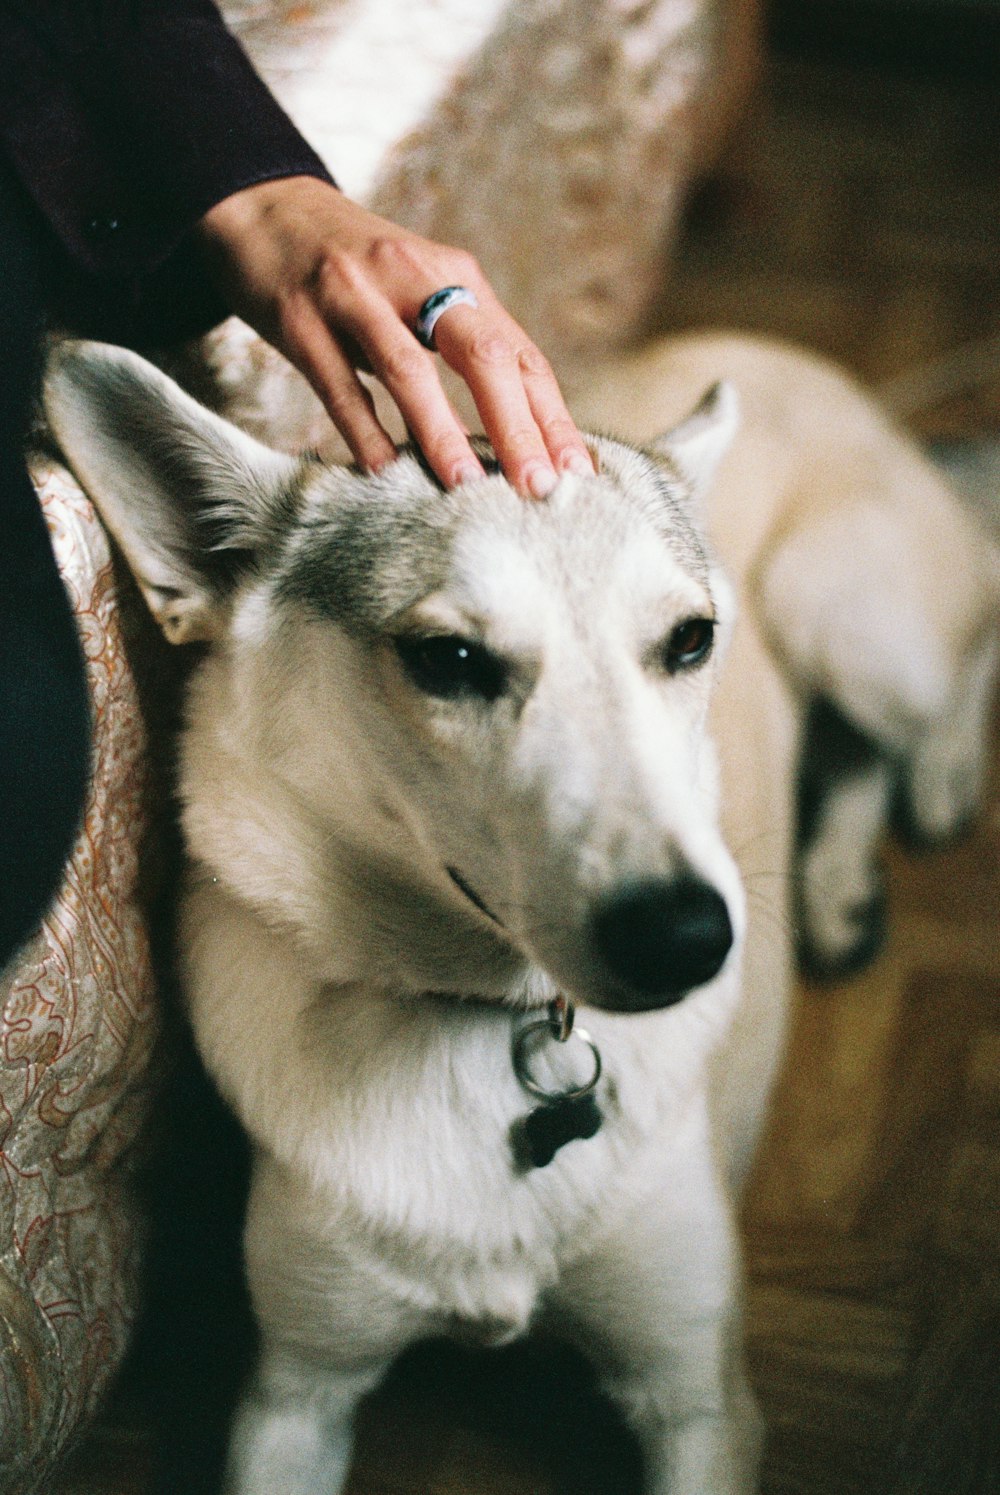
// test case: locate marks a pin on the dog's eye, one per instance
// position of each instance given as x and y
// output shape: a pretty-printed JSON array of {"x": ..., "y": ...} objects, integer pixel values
[
  {"x": 689, "y": 644},
  {"x": 451, "y": 667}
]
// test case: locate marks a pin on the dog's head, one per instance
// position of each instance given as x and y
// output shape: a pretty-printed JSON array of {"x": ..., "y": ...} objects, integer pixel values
[{"x": 457, "y": 735}]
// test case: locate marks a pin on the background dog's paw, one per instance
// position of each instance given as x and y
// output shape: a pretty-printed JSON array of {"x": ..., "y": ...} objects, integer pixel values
[
  {"x": 939, "y": 791},
  {"x": 942, "y": 782},
  {"x": 936, "y": 813},
  {"x": 834, "y": 942}
]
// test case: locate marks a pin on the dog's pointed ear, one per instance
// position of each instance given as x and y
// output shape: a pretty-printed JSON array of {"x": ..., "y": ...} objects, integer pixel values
[
  {"x": 187, "y": 496},
  {"x": 699, "y": 443}
]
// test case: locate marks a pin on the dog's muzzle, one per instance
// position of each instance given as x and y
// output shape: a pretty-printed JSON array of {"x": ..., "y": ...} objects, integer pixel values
[{"x": 656, "y": 938}]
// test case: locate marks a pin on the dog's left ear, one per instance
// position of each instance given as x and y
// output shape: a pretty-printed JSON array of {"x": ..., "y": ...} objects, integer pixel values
[
  {"x": 699, "y": 443},
  {"x": 188, "y": 497}
]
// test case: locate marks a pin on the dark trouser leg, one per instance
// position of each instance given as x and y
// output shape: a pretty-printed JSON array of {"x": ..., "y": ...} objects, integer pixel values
[{"x": 44, "y": 715}]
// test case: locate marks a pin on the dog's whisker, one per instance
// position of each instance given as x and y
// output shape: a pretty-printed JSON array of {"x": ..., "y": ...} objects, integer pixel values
[{"x": 776, "y": 918}]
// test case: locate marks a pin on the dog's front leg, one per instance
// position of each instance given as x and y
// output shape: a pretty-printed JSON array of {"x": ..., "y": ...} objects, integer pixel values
[
  {"x": 657, "y": 1308},
  {"x": 293, "y": 1430},
  {"x": 332, "y": 1315}
]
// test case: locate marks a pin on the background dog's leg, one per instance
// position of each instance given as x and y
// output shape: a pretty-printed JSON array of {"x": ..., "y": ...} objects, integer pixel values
[
  {"x": 845, "y": 795},
  {"x": 900, "y": 636},
  {"x": 657, "y": 1310}
]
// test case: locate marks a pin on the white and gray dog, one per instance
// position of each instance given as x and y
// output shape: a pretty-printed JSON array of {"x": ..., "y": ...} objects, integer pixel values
[{"x": 455, "y": 762}]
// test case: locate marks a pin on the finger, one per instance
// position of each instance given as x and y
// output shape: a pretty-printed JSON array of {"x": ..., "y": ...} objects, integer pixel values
[
  {"x": 315, "y": 351},
  {"x": 563, "y": 441},
  {"x": 410, "y": 376},
  {"x": 476, "y": 343}
]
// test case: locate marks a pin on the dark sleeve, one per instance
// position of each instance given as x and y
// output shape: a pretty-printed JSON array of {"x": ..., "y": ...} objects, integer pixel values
[{"x": 125, "y": 120}]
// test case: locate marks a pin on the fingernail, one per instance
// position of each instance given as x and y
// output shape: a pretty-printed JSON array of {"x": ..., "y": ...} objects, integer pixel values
[
  {"x": 540, "y": 479},
  {"x": 578, "y": 463},
  {"x": 466, "y": 472}
]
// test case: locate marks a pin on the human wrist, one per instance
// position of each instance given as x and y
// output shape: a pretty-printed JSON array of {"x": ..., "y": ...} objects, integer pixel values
[{"x": 230, "y": 219}]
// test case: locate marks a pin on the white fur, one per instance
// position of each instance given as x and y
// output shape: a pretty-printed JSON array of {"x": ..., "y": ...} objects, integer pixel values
[
  {"x": 947, "y": 769},
  {"x": 358, "y": 1010},
  {"x": 841, "y": 880}
]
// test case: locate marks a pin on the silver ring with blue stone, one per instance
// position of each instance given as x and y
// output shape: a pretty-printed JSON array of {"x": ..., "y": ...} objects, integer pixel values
[{"x": 435, "y": 307}]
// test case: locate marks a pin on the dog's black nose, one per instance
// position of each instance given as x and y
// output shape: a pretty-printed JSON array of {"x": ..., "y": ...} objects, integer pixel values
[{"x": 662, "y": 938}]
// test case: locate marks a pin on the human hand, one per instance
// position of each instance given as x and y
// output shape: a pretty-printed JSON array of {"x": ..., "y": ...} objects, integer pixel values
[{"x": 336, "y": 288}]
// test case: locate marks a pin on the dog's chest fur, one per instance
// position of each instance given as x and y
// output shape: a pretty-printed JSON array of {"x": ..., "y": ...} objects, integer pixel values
[{"x": 390, "y": 1127}]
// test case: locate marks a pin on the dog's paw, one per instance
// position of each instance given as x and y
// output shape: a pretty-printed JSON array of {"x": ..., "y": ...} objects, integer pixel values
[
  {"x": 942, "y": 781},
  {"x": 940, "y": 791},
  {"x": 837, "y": 939}
]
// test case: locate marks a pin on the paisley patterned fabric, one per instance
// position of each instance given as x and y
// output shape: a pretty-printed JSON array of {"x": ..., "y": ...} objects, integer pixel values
[{"x": 77, "y": 1024}]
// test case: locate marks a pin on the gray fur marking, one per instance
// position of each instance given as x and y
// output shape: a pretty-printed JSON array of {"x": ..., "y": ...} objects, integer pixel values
[{"x": 363, "y": 551}]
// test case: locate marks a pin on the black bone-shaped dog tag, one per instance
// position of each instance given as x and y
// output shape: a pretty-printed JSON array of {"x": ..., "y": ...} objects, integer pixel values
[{"x": 537, "y": 1137}]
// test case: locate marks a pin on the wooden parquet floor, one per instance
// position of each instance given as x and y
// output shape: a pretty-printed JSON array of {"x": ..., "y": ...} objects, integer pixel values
[
  {"x": 858, "y": 213},
  {"x": 861, "y": 217},
  {"x": 874, "y": 1223}
]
